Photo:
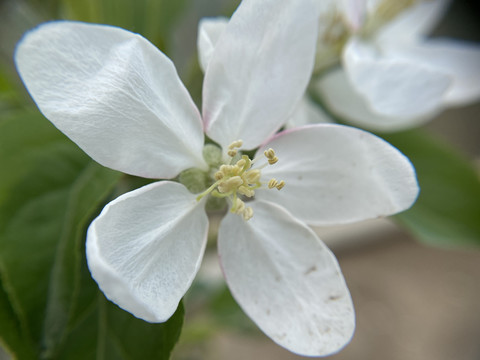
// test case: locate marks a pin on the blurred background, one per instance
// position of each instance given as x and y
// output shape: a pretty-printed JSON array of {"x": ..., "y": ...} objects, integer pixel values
[{"x": 412, "y": 301}]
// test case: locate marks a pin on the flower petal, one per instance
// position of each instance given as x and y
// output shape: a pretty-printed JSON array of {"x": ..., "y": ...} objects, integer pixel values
[
  {"x": 145, "y": 248},
  {"x": 307, "y": 112},
  {"x": 336, "y": 174},
  {"x": 332, "y": 29},
  {"x": 286, "y": 280},
  {"x": 209, "y": 31},
  {"x": 259, "y": 70},
  {"x": 354, "y": 12},
  {"x": 341, "y": 99},
  {"x": 114, "y": 94},
  {"x": 414, "y": 23},
  {"x": 460, "y": 60},
  {"x": 394, "y": 86}
]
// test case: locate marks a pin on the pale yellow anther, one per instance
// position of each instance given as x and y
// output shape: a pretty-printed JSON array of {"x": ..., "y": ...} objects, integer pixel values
[
  {"x": 247, "y": 213},
  {"x": 240, "y": 180},
  {"x": 230, "y": 184},
  {"x": 239, "y": 206},
  {"x": 240, "y": 163},
  {"x": 235, "y": 144},
  {"x": 233, "y": 148},
  {"x": 273, "y": 160},
  {"x": 280, "y": 185},
  {"x": 270, "y": 155},
  {"x": 253, "y": 176},
  {"x": 244, "y": 190},
  {"x": 272, "y": 183},
  {"x": 219, "y": 175}
]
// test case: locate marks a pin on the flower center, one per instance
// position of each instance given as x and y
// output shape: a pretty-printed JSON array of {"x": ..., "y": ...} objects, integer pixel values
[{"x": 238, "y": 179}]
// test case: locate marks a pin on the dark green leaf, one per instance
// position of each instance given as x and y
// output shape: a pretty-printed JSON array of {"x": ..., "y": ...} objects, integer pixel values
[
  {"x": 447, "y": 212},
  {"x": 92, "y": 185},
  {"x": 50, "y": 306},
  {"x": 11, "y": 332},
  {"x": 38, "y": 165},
  {"x": 104, "y": 331},
  {"x": 48, "y": 193}
]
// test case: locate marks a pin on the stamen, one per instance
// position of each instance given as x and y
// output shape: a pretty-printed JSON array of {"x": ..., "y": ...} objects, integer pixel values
[
  {"x": 247, "y": 213},
  {"x": 270, "y": 155},
  {"x": 237, "y": 178},
  {"x": 272, "y": 183},
  {"x": 253, "y": 176},
  {"x": 240, "y": 207},
  {"x": 280, "y": 185},
  {"x": 230, "y": 184},
  {"x": 233, "y": 148}
]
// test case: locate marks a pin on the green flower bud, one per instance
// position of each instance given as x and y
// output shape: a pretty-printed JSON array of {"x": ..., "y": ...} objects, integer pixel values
[
  {"x": 195, "y": 180},
  {"x": 212, "y": 155}
]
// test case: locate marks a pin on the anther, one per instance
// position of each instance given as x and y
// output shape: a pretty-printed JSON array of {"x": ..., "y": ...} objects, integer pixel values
[
  {"x": 219, "y": 175},
  {"x": 253, "y": 176},
  {"x": 233, "y": 148},
  {"x": 272, "y": 183},
  {"x": 244, "y": 190},
  {"x": 270, "y": 155},
  {"x": 239, "y": 206},
  {"x": 235, "y": 144},
  {"x": 230, "y": 184},
  {"x": 280, "y": 185},
  {"x": 247, "y": 213}
]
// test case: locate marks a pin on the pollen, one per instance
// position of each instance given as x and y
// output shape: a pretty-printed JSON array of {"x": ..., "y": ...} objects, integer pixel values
[{"x": 237, "y": 181}]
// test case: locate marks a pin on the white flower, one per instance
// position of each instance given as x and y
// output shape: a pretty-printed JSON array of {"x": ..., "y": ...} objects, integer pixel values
[
  {"x": 395, "y": 78},
  {"x": 121, "y": 100}
]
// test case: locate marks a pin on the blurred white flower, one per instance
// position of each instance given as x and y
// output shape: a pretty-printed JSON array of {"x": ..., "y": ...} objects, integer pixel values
[
  {"x": 393, "y": 77},
  {"x": 121, "y": 100}
]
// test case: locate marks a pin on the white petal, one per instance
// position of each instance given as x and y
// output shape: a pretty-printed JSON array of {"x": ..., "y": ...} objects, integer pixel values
[
  {"x": 331, "y": 31},
  {"x": 145, "y": 248},
  {"x": 286, "y": 280},
  {"x": 259, "y": 70},
  {"x": 114, "y": 94},
  {"x": 337, "y": 174},
  {"x": 413, "y": 23},
  {"x": 460, "y": 60},
  {"x": 394, "y": 86},
  {"x": 307, "y": 112},
  {"x": 209, "y": 31},
  {"x": 341, "y": 99},
  {"x": 354, "y": 13}
]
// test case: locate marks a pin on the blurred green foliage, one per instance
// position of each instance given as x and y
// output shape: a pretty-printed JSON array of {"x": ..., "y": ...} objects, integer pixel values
[
  {"x": 51, "y": 308},
  {"x": 447, "y": 212}
]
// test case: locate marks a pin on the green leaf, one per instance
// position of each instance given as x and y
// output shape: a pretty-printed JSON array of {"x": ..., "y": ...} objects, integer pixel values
[
  {"x": 48, "y": 192},
  {"x": 447, "y": 212},
  {"x": 38, "y": 165},
  {"x": 94, "y": 183},
  {"x": 107, "y": 333},
  {"x": 50, "y": 306},
  {"x": 12, "y": 335},
  {"x": 153, "y": 19},
  {"x": 102, "y": 330}
]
